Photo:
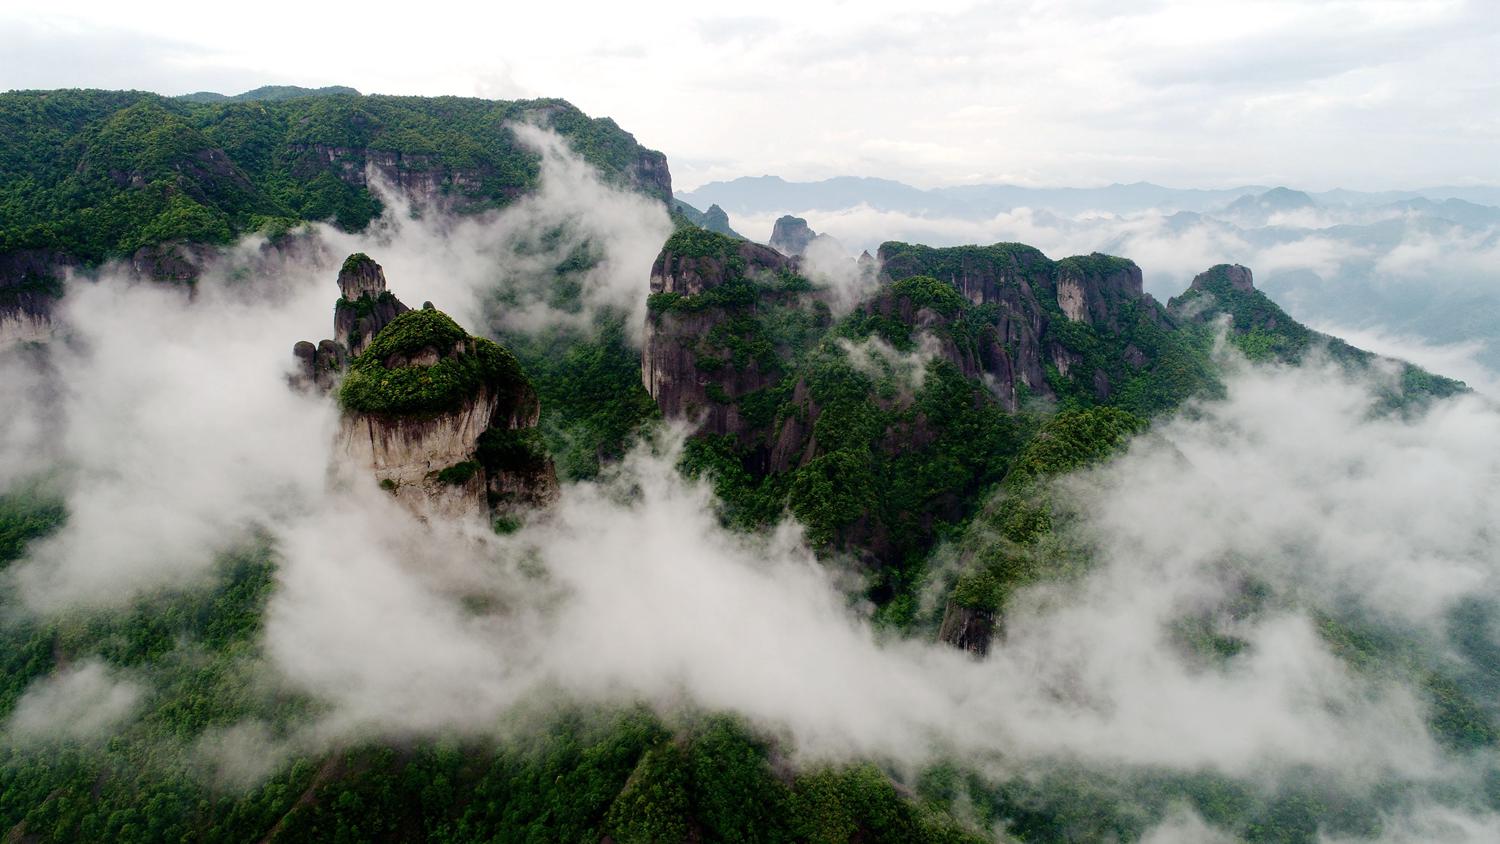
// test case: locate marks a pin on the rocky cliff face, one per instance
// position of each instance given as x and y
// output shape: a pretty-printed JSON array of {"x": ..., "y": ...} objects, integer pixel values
[
  {"x": 648, "y": 172},
  {"x": 444, "y": 421},
  {"x": 162, "y": 185},
  {"x": 421, "y": 460},
  {"x": 791, "y": 235},
  {"x": 1033, "y": 350},
  {"x": 441, "y": 419},
  {"x": 30, "y": 282},
  {"x": 844, "y": 419},
  {"x": 967, "y": 628},
  {"x": 1226, "y": 295},
  {"x": 427, "y": 179},
  {"x": 1228, "y": 290},
  {"x": 1017, "y": 338},
  {"x": 715, "y": 219},
  {"x": 703, "y": 348},
  {"x": 364, "y": 307}
]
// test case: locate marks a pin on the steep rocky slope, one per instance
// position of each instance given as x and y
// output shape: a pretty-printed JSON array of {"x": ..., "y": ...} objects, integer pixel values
[
  {"x": 882, "y": 430},
  {"x": 1227, "y": 294},
  {"x": 443, "y": 420},
  {"x": 29, "y": 285},
  {"x": 714, "y": 218},
  {"x": 707, "y": 345},
  {"x": 364, "y": 307},
  {"x": 90, "y": 176},
  {"x": 878, "y": 429},
  {"x": 791, "y": 235}
]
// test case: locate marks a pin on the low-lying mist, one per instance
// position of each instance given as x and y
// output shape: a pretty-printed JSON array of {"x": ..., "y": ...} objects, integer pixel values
[{"x": 176, "y": 438}]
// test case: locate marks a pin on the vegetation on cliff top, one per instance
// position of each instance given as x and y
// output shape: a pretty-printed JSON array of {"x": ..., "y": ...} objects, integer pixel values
[
  {"x": 694, "y": 242},
  {"x": 1262, "y": 331},
  {"x": 383, "y": 380},
  {"x": 100, "y": 174},
  {"x": 356, "y": 262}
]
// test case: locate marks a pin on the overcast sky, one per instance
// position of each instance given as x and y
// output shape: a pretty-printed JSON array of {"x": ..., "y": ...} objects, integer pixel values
[{"x": 1317, "y": 94}]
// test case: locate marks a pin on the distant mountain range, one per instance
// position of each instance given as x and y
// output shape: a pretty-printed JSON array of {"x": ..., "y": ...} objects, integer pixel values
[{"x": 768, "y": 194}]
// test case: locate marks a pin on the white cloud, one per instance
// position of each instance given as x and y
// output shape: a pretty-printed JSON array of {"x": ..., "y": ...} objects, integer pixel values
[
  {"x": 81, "y": 702},
  {"x": 1455, "y": 360},
  {"x": 645, "y": 597},
  {"x": 461, "y": 263},
  {"x": 173, "y": 424},
  {"x": 179, "y": 433},
  {"x": 878, "y": 359}
]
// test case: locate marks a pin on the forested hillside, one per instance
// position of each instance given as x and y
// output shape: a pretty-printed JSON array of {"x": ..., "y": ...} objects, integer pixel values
[
  {"x": 101, "y": 174},
  {"x": 958, "y": 544}
]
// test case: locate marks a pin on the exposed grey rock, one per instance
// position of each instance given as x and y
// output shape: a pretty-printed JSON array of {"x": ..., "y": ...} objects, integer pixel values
[
  {"x": 433, "y": 463},
  {"x": 360, "y": 277},
  {"x": 30, "y": 285},
  {"x": 790, "y": 236},
  {"x": 406, "y": 455},
  {"x": 967, "y": 628},
  {"x": 364, "y": 307},
  {"x": 670, "y": 366},
  {"x": 357, "y": 323},
  {"x": 1240, "y": 278}
]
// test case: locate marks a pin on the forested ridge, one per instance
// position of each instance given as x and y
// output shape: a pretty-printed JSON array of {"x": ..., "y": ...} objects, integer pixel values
[
  {"x": 100, "y": 174},
  {"x": 880, "y": 429}
]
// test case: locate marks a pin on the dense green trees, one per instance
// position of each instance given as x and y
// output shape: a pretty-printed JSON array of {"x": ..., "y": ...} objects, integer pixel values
[
  {"x": 905, "y": 458},
  {"x": 99, "y": 174},
  {"x": 589, "y": 385},
  {"x": 465, "y": 364}
]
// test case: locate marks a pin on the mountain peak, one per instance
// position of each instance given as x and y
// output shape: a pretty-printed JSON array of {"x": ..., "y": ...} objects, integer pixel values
[
  {"x": 266, "y": 93},
  {"x": 1232, "y": 276},
  {"x": 1275, "y": 199},
  {"x": 791, "y": 235}
]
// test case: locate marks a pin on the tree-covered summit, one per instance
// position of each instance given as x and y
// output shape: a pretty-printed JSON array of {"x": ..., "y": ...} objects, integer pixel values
[
  {"x": 424, "y": 363},
  {"x": 96, "y": 174},
  {"x": 267, "y": 93}
]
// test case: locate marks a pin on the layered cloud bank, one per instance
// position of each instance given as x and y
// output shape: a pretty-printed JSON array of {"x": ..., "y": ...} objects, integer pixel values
[{"x": 632, "y": 591}]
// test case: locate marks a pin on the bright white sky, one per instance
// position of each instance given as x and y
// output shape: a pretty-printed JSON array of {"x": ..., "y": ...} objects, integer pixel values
[{"x": 1363, "y": 94}]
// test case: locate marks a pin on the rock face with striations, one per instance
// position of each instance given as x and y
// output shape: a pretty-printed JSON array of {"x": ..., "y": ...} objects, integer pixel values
[
  {"x": 1230, "y": 289},
  {"x": 1033, "y": 299},
  {"x": 716, "y": 220},
  {"x": 30, "y": 283},
  {"x": 1023, "y": 347},
  {"x": 445, "y": 421},
  {"x": 702, "y": 286},
  {"x": 737, "y": 338},
  {"x": 176, "y": 180},
  {"x": 967, "y": 628},
  {"x": 433, "y": 178}
]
